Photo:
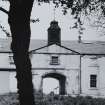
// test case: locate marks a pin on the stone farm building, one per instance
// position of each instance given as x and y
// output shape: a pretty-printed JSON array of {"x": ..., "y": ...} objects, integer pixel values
[{"x": 79, "y": 66}]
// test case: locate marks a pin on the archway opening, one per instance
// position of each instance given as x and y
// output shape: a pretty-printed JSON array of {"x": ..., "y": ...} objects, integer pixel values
[
  {"x": 58, "y": 86},
  {"x": 50, "y": 85}
]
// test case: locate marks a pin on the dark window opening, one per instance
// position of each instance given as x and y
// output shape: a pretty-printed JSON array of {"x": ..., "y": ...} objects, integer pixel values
[
  {"x": 54, "y": 60},
  {"x": 93, "y": 81},
  {"x": 11, "y": 61}
]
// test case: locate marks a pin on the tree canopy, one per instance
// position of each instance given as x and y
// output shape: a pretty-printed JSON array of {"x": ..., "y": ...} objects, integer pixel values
[{"x": 77, "y": 8}]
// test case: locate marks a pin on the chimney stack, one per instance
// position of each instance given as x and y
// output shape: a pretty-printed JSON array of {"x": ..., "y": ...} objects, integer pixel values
[{"x": 54, "y": 33}]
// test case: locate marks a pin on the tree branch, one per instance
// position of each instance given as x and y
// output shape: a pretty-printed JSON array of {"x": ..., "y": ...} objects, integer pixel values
[
  {"x": 5, "y": 31},
  {"x": 4, "y": 10},
  {"x": 34, "y": 20}
]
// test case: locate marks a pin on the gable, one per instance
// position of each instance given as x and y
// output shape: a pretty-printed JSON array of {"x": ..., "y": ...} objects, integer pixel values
[{"x": 57, "y": 49}]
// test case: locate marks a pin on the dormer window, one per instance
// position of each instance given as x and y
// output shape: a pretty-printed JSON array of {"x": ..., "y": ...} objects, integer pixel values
[{"x": 54, "y": 60}]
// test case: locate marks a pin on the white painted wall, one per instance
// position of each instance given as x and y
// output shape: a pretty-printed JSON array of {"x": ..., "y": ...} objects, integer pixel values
[
  {"x": 69, "y": 66},
  {"x": 89, "y": 67},
  {"x": 4, "y": 82},
  {"x": 5, "y": 61},
  {"x": 102, "y": 76},
  {"x": 65, "y": 61},
  {"x": 13, "y": 82},
  {"x": 68, "y": 63},
  {"x": 72, "y": 83}
]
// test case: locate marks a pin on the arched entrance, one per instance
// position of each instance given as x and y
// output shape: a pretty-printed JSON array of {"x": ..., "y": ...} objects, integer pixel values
[
  {"x": 61, "y": 78},
  {"x": 50, "y": 85}
]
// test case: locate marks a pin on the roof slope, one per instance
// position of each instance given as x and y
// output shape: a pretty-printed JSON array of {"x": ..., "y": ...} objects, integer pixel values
[{"x": 93, "y": 47}]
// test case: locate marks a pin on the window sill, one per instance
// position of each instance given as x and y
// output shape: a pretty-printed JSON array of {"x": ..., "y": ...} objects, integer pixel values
[
  {"x": 54, "y": 64},
  {"x": 11, "y": 63},
  {"x": 93, "y": 88}
]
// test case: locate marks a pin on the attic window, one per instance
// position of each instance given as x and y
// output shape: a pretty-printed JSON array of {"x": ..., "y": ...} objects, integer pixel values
[{"x": 54, "y": 60}]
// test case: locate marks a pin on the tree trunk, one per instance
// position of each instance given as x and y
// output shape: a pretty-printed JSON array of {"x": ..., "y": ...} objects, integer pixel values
[{"x": 19, "y": 21}]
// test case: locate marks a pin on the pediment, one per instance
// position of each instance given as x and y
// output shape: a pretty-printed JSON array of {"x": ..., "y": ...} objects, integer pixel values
[{"x": 55, "y": 49}]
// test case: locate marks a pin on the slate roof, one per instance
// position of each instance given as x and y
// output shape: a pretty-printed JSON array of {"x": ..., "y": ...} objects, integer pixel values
[{"x": 93, "y": 47}]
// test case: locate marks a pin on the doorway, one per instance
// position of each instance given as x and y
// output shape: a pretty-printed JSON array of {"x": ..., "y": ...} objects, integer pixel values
[{"x": 55, "y": 82}]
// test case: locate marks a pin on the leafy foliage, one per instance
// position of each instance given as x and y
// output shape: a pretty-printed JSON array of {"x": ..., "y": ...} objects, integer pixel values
[
  {"x": 11, "y": 99},
  {"x": 77, "y": 9}
]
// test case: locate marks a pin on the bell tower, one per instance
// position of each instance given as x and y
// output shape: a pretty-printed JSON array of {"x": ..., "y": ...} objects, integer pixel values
[{"x": 54, "y": 33}]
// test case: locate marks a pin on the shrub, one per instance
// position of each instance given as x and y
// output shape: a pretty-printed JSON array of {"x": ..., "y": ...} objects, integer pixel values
[{"x": 12, "y": 99}]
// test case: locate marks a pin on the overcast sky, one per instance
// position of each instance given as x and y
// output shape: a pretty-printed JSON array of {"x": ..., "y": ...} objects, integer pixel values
[{"x": 45, "y": 14}]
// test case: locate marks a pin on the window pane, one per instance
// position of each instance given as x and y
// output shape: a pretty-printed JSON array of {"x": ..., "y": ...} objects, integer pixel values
[
  {"x": 11, "y": 59},
  {"x": 93, "y": 80},
  {"x": 54, "y": 60}
]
